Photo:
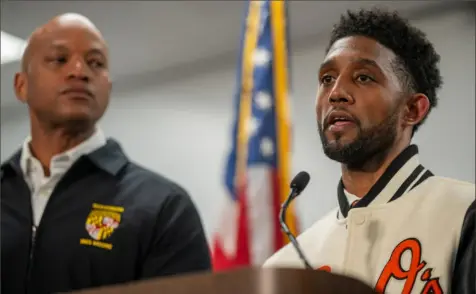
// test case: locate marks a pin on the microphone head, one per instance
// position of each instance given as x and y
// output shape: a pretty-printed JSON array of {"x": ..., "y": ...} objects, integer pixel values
[{"x": 300, "y": 181}]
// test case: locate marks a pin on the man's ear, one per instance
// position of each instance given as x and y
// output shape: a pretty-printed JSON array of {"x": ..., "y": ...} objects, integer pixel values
[
  {"x": 21, "y": 87},
  {"x": 417, "y": 108}
]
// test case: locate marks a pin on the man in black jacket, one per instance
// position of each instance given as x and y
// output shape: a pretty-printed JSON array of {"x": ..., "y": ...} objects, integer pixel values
[{"x": 75, "y": 212}]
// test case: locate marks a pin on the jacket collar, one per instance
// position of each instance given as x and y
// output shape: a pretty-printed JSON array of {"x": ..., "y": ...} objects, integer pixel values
[
  {"x": 403, "y": 174},
  {"x": 110, "y": 158}
]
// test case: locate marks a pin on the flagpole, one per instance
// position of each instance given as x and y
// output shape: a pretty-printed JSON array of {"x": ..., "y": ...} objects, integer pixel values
[
  {"x": 246, "y": 91},
  {"x": 281, "y": 91}
]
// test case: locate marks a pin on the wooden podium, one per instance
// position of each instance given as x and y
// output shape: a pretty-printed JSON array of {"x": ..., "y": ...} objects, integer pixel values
[{"x": 244, "y": 281}]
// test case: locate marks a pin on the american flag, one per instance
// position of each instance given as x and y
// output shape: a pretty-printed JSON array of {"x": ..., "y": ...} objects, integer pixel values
[{"x": 258, "y": 168}]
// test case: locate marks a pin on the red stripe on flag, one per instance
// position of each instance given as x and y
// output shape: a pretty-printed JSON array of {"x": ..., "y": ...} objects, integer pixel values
[{"x": 221, "y": 261}]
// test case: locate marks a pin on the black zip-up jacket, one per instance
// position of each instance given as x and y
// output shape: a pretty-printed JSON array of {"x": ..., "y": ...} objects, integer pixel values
[{"x": 108, "y": 221}]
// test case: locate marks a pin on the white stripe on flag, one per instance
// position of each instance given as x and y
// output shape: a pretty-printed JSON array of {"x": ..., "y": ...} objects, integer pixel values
[
  {"x": 260, "y": 214},
  {"x": 227, "y": 231}
]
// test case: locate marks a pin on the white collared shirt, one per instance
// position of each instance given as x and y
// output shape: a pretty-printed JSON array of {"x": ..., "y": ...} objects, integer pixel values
[{"x": 42, "y": 186}]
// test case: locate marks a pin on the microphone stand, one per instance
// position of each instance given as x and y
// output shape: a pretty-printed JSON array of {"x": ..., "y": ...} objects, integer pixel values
[{"x": 285, "y": 228}]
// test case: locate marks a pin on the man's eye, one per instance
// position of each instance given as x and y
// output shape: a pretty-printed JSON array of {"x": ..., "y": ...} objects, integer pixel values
[
  {"x": 364, "y": 79},
  {"x": 96, "y": 63},
  {"x": 59, "y": 59},
  {"x": 327, "y": 79}
]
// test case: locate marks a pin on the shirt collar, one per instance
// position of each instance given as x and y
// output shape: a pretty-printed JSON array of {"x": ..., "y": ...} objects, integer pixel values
[
  {"x": 351, "y": 201},
  {"x": 110, "y": 158},
  {"x": 351, "y": 198},
  {"x": 63, "y": 161}
]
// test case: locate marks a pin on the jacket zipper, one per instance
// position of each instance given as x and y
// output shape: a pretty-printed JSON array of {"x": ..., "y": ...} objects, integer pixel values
[
  {"x": 34, "y": 233},
  {"x": 31, "y": 256}
]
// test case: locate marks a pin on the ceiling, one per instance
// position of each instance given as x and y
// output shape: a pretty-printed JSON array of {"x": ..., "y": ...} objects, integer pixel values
[{"x": 158, "y": 37}]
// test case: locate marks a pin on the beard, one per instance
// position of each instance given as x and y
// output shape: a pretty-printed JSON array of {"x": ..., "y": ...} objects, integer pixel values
[{"x": 370, "y": 143}]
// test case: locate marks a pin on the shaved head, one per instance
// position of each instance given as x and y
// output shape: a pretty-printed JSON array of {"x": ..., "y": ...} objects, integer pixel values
[
  {"x": 60, "y": 21},
  {"x": 64, "y": 77}
]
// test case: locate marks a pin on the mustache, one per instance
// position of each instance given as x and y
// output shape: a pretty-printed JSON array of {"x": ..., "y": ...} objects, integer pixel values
[{"x": 325, "y": 123}]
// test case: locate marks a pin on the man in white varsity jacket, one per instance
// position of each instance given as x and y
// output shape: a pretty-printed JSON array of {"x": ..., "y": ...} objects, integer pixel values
[{"x": 398, "y": 227}]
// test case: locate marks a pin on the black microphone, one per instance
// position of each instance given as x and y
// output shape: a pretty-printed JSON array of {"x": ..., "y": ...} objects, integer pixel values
[{"x": 298, "y": 184}]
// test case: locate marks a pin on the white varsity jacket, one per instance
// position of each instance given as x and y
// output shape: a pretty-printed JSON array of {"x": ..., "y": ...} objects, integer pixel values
[{"x": 402, "y": 237}]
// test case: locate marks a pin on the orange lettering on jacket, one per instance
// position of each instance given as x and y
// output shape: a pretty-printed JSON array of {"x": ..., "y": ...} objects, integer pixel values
[
  {"x": 393, "y": 269},
  {"x": 432, "y": 287},
  {"x": 325, "y": 268}
]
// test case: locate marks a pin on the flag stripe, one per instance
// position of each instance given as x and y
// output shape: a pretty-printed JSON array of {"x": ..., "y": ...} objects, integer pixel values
[
  {"x": 280, "y": 67},
  {"x": 260, "y": 213}
]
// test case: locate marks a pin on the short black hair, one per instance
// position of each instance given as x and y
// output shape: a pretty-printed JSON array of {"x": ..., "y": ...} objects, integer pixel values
[{"x": 417, "y": 60}]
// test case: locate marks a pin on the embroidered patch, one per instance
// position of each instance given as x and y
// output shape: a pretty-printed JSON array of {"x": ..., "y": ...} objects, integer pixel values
[{"x": 101, "y": 223}]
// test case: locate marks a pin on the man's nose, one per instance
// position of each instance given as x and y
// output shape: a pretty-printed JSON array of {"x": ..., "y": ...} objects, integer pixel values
[
  {"x": 340, "y": 94},
  {"x": 79, "y": 70}
]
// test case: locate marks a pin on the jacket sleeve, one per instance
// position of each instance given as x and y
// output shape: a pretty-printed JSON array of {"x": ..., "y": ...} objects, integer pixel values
[
  {"x": 179, "y": 243},
  {"x": 464, "y": 275}
]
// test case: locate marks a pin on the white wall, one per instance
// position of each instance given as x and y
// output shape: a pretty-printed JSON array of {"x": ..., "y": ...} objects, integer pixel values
[{"x": 182, "y": 129}]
